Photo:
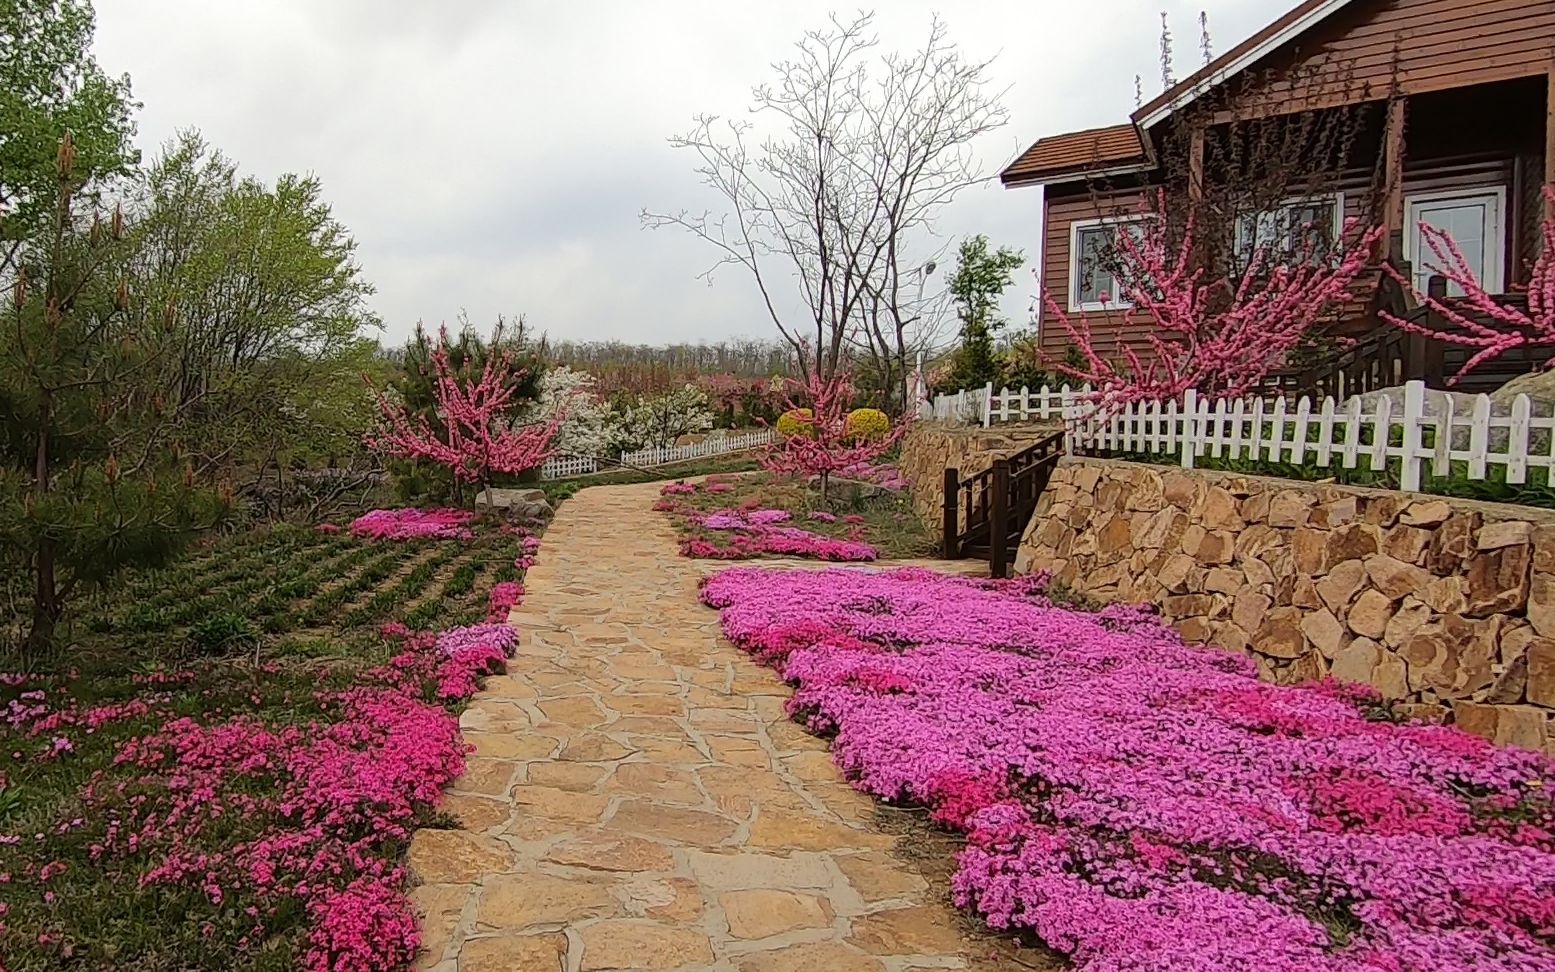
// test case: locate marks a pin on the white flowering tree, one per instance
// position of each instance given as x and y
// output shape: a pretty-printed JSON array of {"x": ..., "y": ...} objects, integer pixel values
[
  {"x": 589, "y": 427},
  {"x": 659, "y": 420}
]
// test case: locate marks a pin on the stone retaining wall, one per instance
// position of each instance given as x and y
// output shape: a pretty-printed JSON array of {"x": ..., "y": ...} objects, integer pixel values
[
  {"x": 1446, "y": 606},
  {"x": 929, "y": 448}
]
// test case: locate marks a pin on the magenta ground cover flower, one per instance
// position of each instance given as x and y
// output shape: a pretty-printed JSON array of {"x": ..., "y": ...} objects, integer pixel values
[
  {"x": 1141, "y": 804},
  {"x": 346, "y": 791},
  {"x": 757, "y": 533},
  {"x": 757, "y": 541},
  {"x": 402, "y": 524}
]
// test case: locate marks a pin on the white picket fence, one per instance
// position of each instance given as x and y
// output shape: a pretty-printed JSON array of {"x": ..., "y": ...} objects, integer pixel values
[
  {"x": 563, "y": 467},
  {"x": 1427, "y": 431},
  {"x": 983, "y": 406}
]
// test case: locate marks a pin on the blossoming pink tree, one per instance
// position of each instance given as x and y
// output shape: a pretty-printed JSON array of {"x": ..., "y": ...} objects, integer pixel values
[
  {"x": 477, "y": 437},
  {"x": 1477, "y": 319},
  {"x": 1206, "y": 331},
  {"x": 824, "y": 445}
]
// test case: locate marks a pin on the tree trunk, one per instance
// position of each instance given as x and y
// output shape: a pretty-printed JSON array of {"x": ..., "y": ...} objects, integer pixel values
[
  {"x": 45, "y": 605},
  {"x": 45, "y": 598},
  {"x": 825, "y": 483}
]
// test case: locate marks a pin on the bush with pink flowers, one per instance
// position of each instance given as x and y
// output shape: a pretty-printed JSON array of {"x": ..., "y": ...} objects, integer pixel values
[{"x": 1139, "y": 804}]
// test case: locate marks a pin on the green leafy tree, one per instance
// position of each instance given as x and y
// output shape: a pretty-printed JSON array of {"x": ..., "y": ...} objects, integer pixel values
[
  {"x": 50, "y": 85},
  {"x": 82, "y": 493},
  {"x": 976, "y": 287},
  {"x": 265, "y": 308}
]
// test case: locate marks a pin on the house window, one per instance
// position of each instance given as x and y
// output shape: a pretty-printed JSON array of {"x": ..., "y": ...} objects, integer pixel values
[
  {"x": 1093, "y": 265},
  {"x": 1301, "y": 229}
]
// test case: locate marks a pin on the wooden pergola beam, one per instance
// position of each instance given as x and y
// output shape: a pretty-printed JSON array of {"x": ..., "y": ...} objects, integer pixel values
[{"x": 1393, "y": 149}]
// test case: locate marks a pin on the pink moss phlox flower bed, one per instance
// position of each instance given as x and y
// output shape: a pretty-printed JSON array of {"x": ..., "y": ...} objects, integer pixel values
[
  {"x": 1143, "y": 805},
  {"x": 885, "y": 476},
  {"x": 342, "y": 795},
  {"x": 757, "y": 533},
  {"x": 678, "y": 489},
  {"x": 404, "y": 524}
]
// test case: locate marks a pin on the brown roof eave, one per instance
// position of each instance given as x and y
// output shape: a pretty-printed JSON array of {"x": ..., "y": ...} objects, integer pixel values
[
  {"x": 1020, "y": 180},
  {"x": 1286, "y": 28}
]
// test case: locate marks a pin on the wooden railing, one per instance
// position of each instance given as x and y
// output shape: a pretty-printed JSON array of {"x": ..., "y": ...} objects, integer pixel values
[
  {"x": 997, "y": 503},
  {"x": 1388, "y": 356}
]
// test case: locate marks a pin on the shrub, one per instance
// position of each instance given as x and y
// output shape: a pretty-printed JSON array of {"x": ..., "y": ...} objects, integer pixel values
[
  {"x": 219, "y": 632},
  {"x": 867, "y": 424},
  {"x": 796, "y": 422}
]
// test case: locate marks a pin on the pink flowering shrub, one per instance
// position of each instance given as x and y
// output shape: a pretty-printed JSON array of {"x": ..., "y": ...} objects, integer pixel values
[
  {"x": 503, "y": 596},
  {"x": 408, "y": 523},
  {"x": 1140, "y": 804}
]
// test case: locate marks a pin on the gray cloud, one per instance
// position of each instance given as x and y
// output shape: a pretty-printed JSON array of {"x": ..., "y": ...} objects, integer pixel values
[{"x": 492, "y": 156}]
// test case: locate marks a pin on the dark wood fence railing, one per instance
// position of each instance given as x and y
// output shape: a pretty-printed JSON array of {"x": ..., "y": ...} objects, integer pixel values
[
  {"x": 996, "y": 504},
  {"x": 1388, "y": 356}
]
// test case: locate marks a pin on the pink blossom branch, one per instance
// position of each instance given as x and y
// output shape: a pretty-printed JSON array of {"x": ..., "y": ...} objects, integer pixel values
[
  {"x": 477, "y": 438},
  {"x": 1215, "y": 335},
  {"x": 825, "y": 446},
  {"x": 1503, "y": 326}
]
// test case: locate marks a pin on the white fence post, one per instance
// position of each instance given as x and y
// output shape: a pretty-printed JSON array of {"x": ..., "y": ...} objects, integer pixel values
[
  {"x": 1410, "y": 450},
  {"x": 987, "y": 404},
  {"x": 1190, "y": 427}
]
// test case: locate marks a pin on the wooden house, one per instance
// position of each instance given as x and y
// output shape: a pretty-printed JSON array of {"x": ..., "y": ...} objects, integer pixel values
[{"x": 1451, "y": 114}]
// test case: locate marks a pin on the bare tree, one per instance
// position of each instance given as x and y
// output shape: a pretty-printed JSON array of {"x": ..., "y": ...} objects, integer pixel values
[{"x": 840, "y": 191}]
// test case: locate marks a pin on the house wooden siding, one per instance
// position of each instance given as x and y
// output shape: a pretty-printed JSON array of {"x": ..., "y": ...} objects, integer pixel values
[
  {"x": 1112, "y": 330},
  {"x": 1407, "y": 47}
]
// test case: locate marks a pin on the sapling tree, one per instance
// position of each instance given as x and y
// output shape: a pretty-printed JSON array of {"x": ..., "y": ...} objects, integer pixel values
[
  {"x": 475, "y": 435},
  {"x": 86, "y": 487},
  {"x": 1219, "y": 333},
  {"x": 821, "y": 442},
  {"x": 975, "y": 288},
  {"x": 1476, "y": 319}
]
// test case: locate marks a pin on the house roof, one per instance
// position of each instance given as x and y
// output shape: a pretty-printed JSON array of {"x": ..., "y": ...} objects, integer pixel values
[
  {"x": 1112, "y": 149},
  {"x": 1124, "y": 148},
  {"x": 1287, "y": 28}
]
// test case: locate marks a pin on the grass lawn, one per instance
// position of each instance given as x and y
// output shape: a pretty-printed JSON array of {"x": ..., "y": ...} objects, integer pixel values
[
  {"x": 123, "y": 829},
  {"x": 882, "y": 519}
]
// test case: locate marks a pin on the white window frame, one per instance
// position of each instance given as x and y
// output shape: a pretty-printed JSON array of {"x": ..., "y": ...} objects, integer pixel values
[
  {"x": 1291, "y": 203},
  {"x": 1495, "y": 256},
  {"x": 1075, "y": 229}
]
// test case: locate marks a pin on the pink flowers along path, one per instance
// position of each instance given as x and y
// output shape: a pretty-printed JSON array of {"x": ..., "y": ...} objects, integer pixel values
[
  {"x": 1143, "y": 805},
  {"x": 638, "y": 798}
]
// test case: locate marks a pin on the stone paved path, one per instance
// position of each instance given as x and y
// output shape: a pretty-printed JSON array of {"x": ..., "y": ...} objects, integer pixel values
[{"x": 638, "y": 800}]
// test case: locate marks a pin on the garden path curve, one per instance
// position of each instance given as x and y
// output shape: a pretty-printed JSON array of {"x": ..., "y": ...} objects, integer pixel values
[{"x": 637, "y": 798}]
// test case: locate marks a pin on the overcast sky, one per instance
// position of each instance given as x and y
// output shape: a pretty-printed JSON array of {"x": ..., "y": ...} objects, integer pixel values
[{"x": 493, "y": 155}]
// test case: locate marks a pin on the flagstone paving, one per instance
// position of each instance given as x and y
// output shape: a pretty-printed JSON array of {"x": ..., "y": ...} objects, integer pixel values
[{"x": 637, "y": 798}]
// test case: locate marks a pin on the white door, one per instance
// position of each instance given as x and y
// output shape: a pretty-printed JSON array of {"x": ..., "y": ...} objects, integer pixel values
[{"x": 1474, "y": 221}]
